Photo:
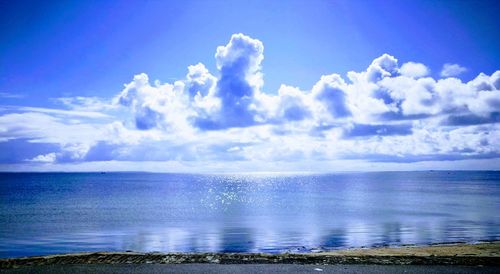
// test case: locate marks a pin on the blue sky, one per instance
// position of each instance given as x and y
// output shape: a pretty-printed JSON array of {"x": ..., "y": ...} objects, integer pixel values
[{"x": 363, "y": 81}]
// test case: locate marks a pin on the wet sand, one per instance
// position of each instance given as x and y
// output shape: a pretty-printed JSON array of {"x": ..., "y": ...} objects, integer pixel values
[{"x": 481, "y": 254}]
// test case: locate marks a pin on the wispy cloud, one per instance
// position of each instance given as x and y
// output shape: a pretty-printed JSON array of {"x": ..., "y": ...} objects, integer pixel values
[
  {"x": 86, "y": 114},
  {"x": 11, "y": 95}
]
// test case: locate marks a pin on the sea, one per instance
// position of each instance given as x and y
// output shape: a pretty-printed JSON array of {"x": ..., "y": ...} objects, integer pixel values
[{"x": 54, "y": 213}]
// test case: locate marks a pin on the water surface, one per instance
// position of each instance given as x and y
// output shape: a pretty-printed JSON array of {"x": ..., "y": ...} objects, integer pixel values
[{"x": 48, "y": 213}]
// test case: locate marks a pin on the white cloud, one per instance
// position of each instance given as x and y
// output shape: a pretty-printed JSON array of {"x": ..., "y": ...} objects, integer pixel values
[
  {"x": 42, "y": 127},
  {"x": 292, "y": 104},
  {"x": 385, "y": 113},
  {"x": 199, "y": 82},
  {"x": 162, "y": 106},
  {"x": 451, "y": 70},
  {"x": 239, "y": 65},
  {"x": 416, "y": 96},
  {"x": 415, "y": 70},
  {"x": 330, "y": 90},
  {"x": 86, "y": 104},
  {"x": 47, "y": 158}
]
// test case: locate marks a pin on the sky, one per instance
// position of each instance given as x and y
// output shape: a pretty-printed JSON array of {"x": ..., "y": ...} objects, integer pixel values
[{"x": 249, "y": 86}]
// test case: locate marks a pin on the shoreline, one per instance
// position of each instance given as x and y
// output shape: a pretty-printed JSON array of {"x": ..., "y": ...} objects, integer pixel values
[{"x": 482, "y": 253}]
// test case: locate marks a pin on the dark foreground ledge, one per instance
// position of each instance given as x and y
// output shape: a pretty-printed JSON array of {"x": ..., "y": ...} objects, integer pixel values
[
  {"x": 238, "y": 258},
  {"x": 486, "y": 253}
]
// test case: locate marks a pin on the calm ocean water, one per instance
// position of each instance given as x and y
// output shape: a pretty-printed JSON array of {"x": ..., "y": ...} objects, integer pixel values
[{"x": 47, "y": 213}]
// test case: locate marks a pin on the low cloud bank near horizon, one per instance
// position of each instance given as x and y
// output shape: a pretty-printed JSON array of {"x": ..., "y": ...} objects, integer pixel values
[{"x": 390, "y": 112}]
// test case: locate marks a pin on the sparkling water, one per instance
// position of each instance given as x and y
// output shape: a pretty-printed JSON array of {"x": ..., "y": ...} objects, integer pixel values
[{"x": 49, "y": 213}]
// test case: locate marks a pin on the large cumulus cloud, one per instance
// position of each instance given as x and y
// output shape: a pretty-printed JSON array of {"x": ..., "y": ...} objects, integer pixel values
[
  {"x": 239, "y": 64},
  {"x": 387, "y": 112}
]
